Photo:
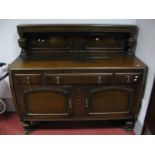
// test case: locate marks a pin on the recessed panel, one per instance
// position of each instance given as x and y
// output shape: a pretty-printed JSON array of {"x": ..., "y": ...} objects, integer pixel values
[
  {"x": 109, "y": 101},
  {"x": 106, "y": 42},
  {"x": 46, "y": 102}
]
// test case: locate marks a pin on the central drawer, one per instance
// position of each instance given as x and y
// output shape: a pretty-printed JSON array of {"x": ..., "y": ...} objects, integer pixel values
[
  {"x": 78, "y": 78},
  {"x": 103, "y": 78}
]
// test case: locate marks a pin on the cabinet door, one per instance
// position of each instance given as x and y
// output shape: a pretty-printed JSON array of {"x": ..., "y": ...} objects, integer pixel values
[
  {"x": 109, "y": 102},
  {"x": 45, "y": 102}
]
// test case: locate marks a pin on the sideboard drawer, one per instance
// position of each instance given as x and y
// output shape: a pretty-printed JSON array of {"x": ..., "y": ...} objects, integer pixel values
[
  {"x": 127, "y": 78},
  {"x": 78, "y": 79},
  {"x": 28, "y": 79}
]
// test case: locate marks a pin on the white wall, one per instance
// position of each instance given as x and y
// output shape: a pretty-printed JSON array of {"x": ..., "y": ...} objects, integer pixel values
[
  {"x": 146, "y": 52},
  {"x": 9, "y": 49}
]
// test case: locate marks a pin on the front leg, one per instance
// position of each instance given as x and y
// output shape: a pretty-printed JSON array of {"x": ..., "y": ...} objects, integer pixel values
[
  {"x": 27, "y": 127},
  {"x": 129, "y": 125}
]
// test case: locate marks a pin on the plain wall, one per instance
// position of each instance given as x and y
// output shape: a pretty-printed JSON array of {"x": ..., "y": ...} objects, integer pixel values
[
  {"x": 9, "y": 48},
  {"x": 146, "y": 52}
]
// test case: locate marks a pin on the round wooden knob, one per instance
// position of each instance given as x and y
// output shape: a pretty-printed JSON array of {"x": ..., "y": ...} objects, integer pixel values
[{"x": 97, "y": 39}]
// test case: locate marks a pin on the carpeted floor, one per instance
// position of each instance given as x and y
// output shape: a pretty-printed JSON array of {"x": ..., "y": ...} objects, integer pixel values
[{"x": 10, "y": 125}]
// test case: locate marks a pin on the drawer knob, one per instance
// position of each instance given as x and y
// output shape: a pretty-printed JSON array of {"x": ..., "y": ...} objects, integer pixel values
[
  {"x": 97, "y": 39},
  {"x": 58, "y": 79},
  {"x": 28, "y": 79},
  {"x": 136, "y": 76},
  {"x": 41, "y": 40}
]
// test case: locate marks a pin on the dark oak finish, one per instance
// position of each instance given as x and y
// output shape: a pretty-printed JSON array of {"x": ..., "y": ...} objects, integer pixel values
[
  {"x": 77, "y": 72},
  {"x": 89, "y": 39}
]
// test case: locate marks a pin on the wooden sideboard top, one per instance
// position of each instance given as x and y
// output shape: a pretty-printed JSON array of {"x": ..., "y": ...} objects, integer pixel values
[
  {"x": 77, "y": 46},
  {"x": 70, "y": 27},
  {"x": 70, "y": 63},
  {"x": 77, "y": 38}
]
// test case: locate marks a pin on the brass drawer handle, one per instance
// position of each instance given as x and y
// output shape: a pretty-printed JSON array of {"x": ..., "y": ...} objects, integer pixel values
[
  {"x": 128, "y": 79},
  {"x": 58, "y": 79},
  {"x": 28, "y": 79},
  {"x": 70, "y": 103},
  {"x": 99, "y": 79}
]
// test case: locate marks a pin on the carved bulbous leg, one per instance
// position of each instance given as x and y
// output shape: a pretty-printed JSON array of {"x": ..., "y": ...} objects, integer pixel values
[
  {"x": 27, "y": 127},
  {"x": 129, "y": 125}
]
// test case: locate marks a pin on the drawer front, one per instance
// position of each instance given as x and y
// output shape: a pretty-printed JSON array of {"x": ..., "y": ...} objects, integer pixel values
[
  {"x": 69, "y": 79},
  {"x": 78, "y": 79},
  {"x": 28, "y": 79},
  {"x": 127, "y": 78}
]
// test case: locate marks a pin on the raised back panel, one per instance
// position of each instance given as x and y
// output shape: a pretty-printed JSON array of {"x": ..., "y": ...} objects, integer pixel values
[{"x": 77, "y": 39}]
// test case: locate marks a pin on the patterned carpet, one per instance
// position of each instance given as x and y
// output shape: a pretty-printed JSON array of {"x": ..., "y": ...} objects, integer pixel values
[{"x": 10, "y": 125}]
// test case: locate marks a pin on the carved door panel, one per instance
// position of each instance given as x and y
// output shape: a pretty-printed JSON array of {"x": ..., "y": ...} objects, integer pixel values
[
  {"x": 46, "y": 102},
  {"x": 109, "y": 102}
]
